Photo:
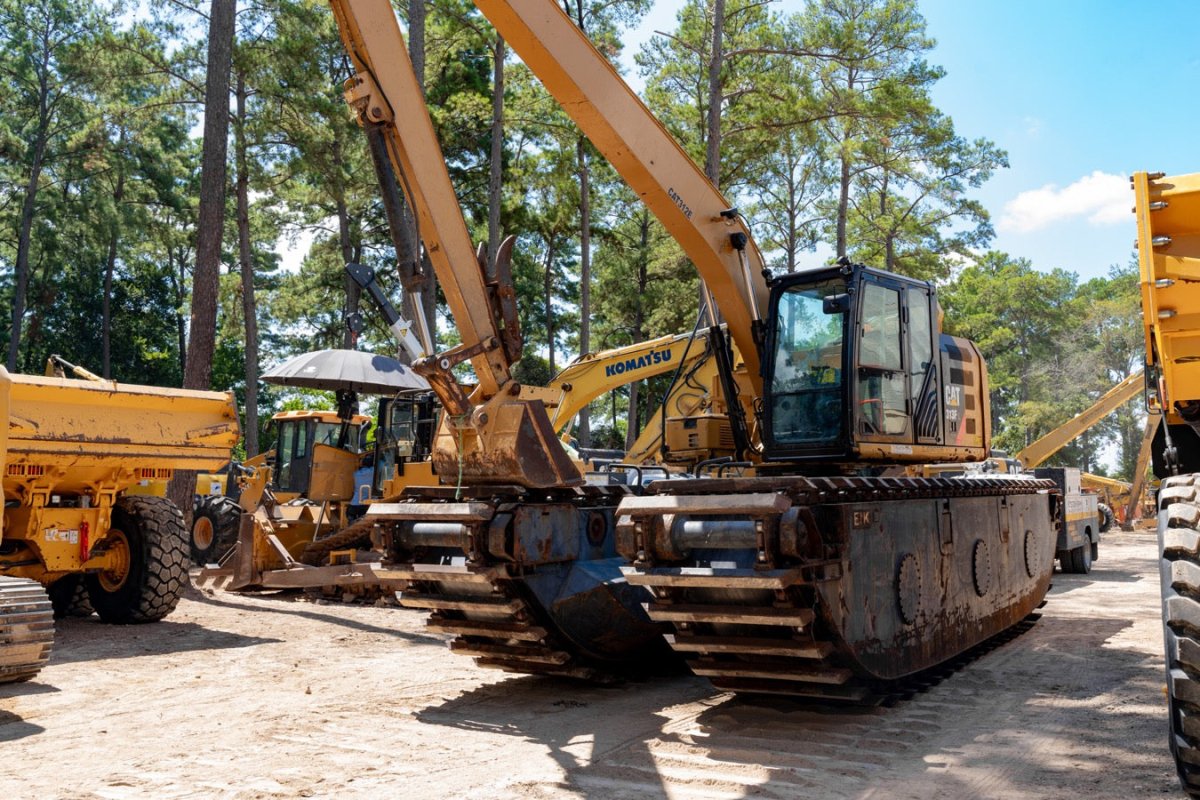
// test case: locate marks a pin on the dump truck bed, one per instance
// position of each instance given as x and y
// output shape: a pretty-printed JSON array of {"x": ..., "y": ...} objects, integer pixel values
[{"x": 86, "y": 431}]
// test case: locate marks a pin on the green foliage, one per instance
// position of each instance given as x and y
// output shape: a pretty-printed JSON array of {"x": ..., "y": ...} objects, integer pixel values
[{"x": 1052, "y": 347}]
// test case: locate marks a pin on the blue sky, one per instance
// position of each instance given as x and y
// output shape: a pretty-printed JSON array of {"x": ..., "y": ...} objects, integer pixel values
[{"x": 1080, "y": 95}]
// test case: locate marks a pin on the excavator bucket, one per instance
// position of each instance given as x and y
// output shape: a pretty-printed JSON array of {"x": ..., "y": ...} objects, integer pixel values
[{"x": 513, "y": 444}]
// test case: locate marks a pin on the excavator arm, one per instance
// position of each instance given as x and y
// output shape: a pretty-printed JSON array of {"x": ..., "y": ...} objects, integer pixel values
[
  {"x": 491, "y": 434},
  {"x": 385, "y": 92},
  {"x": 593, "y": 374}
]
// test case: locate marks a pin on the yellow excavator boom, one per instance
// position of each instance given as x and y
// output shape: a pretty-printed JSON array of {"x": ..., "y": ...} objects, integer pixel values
[
  {"x": 593, "y": 374},
  {"x": 1037, "y": 452},
  {"x": 646, "y": 156}
]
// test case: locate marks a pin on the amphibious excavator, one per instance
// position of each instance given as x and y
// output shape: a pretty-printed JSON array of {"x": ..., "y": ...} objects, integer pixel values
[
  {"x": 72, "y": 535},
  {"x": 1168, "y": 245},
  {"x": 812, "y": 577}
]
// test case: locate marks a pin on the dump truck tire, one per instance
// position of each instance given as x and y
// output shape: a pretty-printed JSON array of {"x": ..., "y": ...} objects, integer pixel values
[
  {"x": 215, "y": 521},
  {"x": 1179, "y": 570},
  {"x": 151, "y": 531},
  {"x": 1106, "y": 517},
  {"x": 70, "y": 597}
]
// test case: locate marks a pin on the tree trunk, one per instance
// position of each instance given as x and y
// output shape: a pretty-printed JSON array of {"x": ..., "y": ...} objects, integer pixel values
[
  {"x": 712, "y": 127},
  {"x": 345, "y": 243},
  {"x": 496, "y": 155},
  {"x": 24, "y": 242},
  {"x": 633, "y": 424},
  {"x": 210, "y": 225},
  {"x": 245, "y": 260},
  {"x": 416, "y": 53},
  {"x": 793, "y": 213},
  {"x": 889, "y": 235},
  {"x": 416, "y": 39},
  {"x": 585, "y": 276},
  {"x": 110, "y": 265},
  {"x": 180, "y": 279},
  {"x": 843, "y": 207},
  {"x": 548, "y": 298},
  {"x": 712, "y": 141}
]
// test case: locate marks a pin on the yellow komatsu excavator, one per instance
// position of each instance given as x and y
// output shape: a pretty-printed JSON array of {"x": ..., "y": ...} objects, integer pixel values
[
  {"x": 811, "y": 578},
  {"x": 1168, "y": 243}
]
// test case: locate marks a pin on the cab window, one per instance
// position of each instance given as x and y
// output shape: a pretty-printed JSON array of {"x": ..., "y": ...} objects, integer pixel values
[{"x": 806, "y": 383}]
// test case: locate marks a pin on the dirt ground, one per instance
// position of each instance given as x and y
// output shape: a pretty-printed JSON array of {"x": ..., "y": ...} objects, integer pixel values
[{"x": 278, "y": 697}]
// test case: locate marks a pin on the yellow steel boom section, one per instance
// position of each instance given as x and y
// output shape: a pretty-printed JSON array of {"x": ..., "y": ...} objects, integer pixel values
[
  {"x": 1168, "y": 221},
  {"x": 647, "y": 157},
  {"x": 385, "y": 92},
  {"x": 593, "y": 374},
  {"x": 500, "y": 433},
  {"x": 1055, "y": 440}
]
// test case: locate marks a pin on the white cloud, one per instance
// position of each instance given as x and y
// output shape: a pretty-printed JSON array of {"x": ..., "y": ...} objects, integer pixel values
[{"x": 1100, "y": 198}]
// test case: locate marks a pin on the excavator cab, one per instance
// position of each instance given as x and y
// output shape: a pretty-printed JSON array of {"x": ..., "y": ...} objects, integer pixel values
[
  {"x": 856, "y": 369},
  {"x": 404, "y": 435}
]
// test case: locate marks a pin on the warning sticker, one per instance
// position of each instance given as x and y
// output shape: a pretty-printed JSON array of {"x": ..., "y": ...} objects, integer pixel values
[{"x": 61, "y": 535}]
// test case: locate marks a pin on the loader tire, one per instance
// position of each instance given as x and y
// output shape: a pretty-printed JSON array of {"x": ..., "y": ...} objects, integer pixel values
[
  {"x": 215, "y": 521},
  {"x": 1179, "y": 570},
  {"x": 1106, "y": 517},
  {"x": 69, "y": 595},
  {"x": 148, "y": 584}
]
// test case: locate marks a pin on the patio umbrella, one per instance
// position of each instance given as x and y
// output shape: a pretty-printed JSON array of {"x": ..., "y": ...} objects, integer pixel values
[{"x": 346, "y": 371}]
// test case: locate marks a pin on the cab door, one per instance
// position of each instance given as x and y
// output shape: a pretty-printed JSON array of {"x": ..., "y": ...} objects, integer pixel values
[
  {"x": 294, "y": 456},
  {"x": 924, "y": 386},
  {"x": 881, "y": 397}
]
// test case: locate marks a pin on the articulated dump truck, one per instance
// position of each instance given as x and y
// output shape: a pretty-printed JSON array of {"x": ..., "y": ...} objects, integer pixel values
[{"x": 72, "y": 539}]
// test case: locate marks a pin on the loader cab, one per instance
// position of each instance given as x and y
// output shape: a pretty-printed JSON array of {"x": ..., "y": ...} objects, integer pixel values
[
  {"x": 853, "y": 371},
  {"x": 307, "y": 456},
  {"x": 405, "y": 434}
]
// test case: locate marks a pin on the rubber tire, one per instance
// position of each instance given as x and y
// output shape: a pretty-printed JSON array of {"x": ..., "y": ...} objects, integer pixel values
[
  {"x": 1080, "y": 560},
  {"x": 224, "y": 515},
  {"x": 1179, "y": 570},
  {"x": 69, "y": 596},
  {"x": 158, "y": 562},
  {"x": 1105, "y": 513}
]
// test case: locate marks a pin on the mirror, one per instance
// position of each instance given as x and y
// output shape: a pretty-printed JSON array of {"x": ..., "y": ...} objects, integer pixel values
[{"x": 836, "y": 303}]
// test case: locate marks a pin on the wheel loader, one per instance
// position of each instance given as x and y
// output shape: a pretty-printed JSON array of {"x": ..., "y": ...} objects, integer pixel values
[{"x": 74, "y": 538}]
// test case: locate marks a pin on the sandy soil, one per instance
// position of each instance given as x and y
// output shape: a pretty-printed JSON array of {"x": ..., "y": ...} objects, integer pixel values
[{"x": 277, "y": 697}]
